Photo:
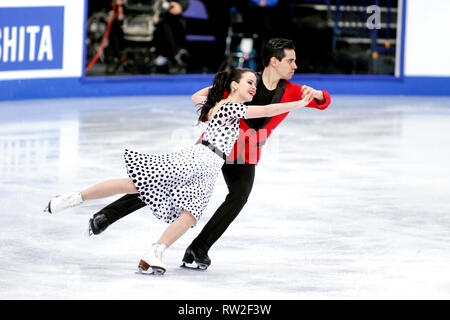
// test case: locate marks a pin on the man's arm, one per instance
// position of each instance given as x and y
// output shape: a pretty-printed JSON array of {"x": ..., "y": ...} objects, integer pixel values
[{"x": 198, "y": 97}]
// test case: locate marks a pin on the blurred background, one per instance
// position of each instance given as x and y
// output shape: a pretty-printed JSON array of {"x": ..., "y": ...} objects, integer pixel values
[
  {"x": 80, "y": 48},
  {"x": 205, "y": 36}
]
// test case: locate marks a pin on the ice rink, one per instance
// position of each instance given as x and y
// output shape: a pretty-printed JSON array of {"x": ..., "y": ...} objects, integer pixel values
[{"x": 349, "y": 203}]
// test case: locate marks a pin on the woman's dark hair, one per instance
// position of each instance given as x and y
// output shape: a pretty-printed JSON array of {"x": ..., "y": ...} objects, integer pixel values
[
  {"x": 275, "y": 48},
  {"x": 221, "y": 84}
]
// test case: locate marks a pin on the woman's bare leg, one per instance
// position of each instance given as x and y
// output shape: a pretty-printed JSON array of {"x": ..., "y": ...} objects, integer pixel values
[
  {"x": 109, "y": 188},
  {"x": 154, "y": 256},
  {"x": 177, "y": 229},
  {"x": 98, "y": 191}
]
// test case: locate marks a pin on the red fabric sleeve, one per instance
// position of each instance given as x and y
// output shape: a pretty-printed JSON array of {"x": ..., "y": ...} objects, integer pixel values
[{"x": 322, "y": 106}]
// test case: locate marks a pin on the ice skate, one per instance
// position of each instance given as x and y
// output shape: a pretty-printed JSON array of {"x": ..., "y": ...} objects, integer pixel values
[
  {"x": 151, "y": 262},
  {"x": 64, "y": 201},
  {"x": 97, "y": 224},
  {"x": 196, "y": 259}
]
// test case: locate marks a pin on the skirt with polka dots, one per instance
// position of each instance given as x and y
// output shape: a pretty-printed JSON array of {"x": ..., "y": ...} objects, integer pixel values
[{"x": 171, "y": 183}]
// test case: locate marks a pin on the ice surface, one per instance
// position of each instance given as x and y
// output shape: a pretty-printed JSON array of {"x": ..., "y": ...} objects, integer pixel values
[{"x": 348, "y": 203}]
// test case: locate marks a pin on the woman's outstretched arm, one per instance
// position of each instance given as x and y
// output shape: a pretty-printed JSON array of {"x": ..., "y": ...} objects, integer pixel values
[{"x": 274, "y": 109}]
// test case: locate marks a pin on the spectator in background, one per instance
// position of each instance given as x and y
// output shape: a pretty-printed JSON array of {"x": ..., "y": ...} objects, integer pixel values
[
  {"x": 170, "y": 37},
  {"x": 265, "y": 18},
  {"x": 219, "y": 16},
  {"x": 98, "y": 5}
]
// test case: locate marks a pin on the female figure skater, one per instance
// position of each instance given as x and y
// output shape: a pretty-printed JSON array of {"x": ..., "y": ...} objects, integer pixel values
[{"x": 177, "y": 186}]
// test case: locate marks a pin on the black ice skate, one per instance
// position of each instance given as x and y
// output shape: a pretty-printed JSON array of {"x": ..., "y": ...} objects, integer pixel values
[
  {"x": 196, "y": 259},
  {"x": 97, "y": 224}
]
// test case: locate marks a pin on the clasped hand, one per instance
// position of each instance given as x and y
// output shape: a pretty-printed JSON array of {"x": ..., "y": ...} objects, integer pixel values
[{"x": 309, "y": 93}]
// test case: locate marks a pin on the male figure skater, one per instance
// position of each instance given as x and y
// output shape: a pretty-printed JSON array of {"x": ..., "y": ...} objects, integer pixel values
[{"x": 279, "y": 62}]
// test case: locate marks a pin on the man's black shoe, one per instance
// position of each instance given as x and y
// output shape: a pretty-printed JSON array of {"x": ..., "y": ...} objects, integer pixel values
[
  {"x": 199, "y": 256},
  {"x": 97, "y": 224}
]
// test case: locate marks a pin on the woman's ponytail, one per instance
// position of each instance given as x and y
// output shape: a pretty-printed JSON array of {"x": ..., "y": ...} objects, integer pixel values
[
  {"x": 222, "y": 83},
  {"x": 215, "y": 94}
]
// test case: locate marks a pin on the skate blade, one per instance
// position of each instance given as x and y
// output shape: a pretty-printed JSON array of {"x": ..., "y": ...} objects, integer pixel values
[
  {"x": 89, "y": 231},
  {"x": 47, "y": 208},
  {"x": 194, "y": 266},
  {"x": 150, "y": 271}
]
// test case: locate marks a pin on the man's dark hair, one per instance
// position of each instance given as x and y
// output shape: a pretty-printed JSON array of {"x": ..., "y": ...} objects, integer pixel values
[{"x": 275, "y": 48}]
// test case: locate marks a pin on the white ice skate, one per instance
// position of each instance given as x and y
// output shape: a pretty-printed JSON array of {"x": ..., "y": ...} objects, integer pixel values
[
  {"x": 64, "y": 201},
  {"x": 151, "y": 262}
]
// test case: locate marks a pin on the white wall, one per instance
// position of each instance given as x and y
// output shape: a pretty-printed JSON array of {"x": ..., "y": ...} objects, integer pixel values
[{"x": 427, "y": 38}]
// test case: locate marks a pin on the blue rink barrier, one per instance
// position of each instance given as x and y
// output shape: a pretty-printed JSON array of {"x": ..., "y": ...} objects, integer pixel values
[{"x": 188, "y": 84}]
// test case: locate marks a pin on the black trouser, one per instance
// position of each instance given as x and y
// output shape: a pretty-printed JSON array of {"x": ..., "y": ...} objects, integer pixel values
[{"x": 239, "y": 179}]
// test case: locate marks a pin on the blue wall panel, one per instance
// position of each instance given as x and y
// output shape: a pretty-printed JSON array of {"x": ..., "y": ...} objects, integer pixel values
[{"x": 188, "y": 84}]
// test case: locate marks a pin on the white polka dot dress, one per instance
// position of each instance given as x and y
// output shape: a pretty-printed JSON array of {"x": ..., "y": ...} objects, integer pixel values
[{"x": 184, "y": 180}]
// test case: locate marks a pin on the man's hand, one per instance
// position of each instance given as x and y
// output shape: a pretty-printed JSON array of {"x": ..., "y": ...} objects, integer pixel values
[
  {"x": 309, "y": 93},
  {"x": 175, "y": 8}
]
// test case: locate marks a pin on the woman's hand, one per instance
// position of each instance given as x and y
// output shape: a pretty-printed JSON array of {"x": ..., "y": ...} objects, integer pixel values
[
  {"x": 309, "y": 93},
  {"x": 307, "y": 98}
]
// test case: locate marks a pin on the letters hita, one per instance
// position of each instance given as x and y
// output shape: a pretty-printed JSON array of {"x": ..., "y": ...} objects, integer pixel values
[{"x": 20, "y": 43}]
